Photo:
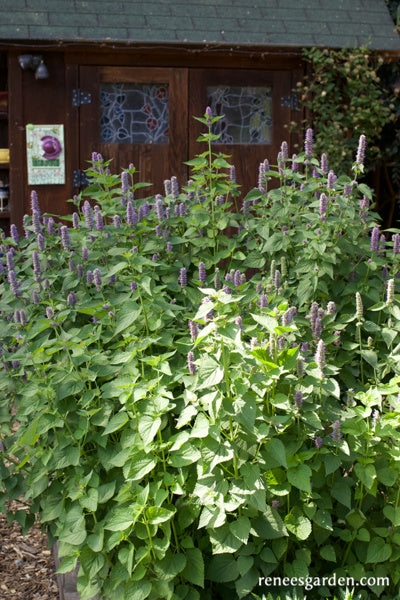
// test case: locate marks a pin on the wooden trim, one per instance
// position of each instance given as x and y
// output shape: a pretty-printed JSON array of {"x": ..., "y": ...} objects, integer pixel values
[
  {"x": 127, "y": 75},
  {"x": 16, "y": 133},
  {"x": 178, "y": 150},
  {"x": 71, "y": 141}
]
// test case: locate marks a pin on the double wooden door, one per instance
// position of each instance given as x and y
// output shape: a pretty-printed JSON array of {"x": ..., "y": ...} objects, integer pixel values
[{"x": 145, "y": 116}]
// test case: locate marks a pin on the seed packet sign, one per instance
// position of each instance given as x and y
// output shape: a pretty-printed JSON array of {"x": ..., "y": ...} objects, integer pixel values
[{"x": 45, "y": 153}]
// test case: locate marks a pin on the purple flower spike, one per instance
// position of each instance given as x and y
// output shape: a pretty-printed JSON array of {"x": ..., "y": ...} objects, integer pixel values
[
  {"x": 125, "y": 182},
  {"x": 37, "y": 269},
  {"x": 174, "y": 187},
  {"x": 202, "y": 272},
  {"x": 298, "y": 399},
  {"x": 85, "y": 254},
  {"x": 323, "y": 203},
  {"x": 396, "y": 243},
  {"x": 49, "y": 312},
  {"x": 89, "y": 277},
  {"x": 37, "y": 227},
  {"x": 232, "y": 175},
  {"x": 193, "y": 328},
  {"x": 182, "y": 277},
  {"x": 14, "y": 233},
  {"x": 237, "y": 278},
  {"x": 65, "y": 238},
  {"x": 75, "y": 220},
  {"x": 97, "y": 279},
  {"x": 12, "y": 279},
  {"x": 169, "y": 248},
  {"x": 190, "y": 363},
  {"x": 131, "y": 217},
  {"x": 284, "y": 151},
  {"x": 309, "y": 143},
  {"x": 374, "y": 239},
  {"x": 362, "y": 144},
  {"x": 51, "y": 229},
  {"x": 239, "y": 322},
  {"x": 320, "y": 355},
  {"x": 336, "y": 434},
  {"x": 71, "y": 300},
  {"x": 275, "y": 504},
  {"x": 318, "y": 441},
  {"x": 331, "y": 180},
  {"x": 133, "y": 286},
  {"x": 208, "y": 115},
  {"x": 35, "y": 297},
  {"x": 88, "y": 214},
  {"x": 116, "y": 221},
  {"x": 98, "y": 219},
  {"x": 295, "y": 165},
  {"x": 40, "y": 242},
  {"x": 324, "y": 164},
  {"x": 35, "y": 202},
  {"x": 155, "y": 258}
]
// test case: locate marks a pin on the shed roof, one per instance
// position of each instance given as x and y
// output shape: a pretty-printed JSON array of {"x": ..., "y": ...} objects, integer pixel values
[{"x": 294, "y": 23}]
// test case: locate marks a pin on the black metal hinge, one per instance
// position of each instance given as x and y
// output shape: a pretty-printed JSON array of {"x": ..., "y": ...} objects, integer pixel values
[
  {"x": 79, "y": 98},
  {"x": 291, "y": 102},
  {"x": 79, "y": 178}
]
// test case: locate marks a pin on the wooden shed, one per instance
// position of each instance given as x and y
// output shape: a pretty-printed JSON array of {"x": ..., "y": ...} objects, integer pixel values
[{"x": 125, "y": 78}]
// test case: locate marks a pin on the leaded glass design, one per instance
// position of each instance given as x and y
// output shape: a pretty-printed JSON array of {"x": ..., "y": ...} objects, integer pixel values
[
  {"x": 248, "y": 114},
  {"x": 134, "y": 113}
]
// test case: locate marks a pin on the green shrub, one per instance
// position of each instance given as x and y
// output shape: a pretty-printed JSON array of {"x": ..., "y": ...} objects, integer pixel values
[{"x": 184, "y": 429}]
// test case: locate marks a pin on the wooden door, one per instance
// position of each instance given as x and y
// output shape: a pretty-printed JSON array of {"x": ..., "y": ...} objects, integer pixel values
[
  {"x": 255, "y": 104},
  {"x": 139, "y": 116}
]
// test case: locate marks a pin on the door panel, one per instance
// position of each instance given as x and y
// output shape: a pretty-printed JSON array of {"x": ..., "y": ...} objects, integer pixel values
[
  {"x": 139, "y": 116},
  {"x": 267, "y": 108}
]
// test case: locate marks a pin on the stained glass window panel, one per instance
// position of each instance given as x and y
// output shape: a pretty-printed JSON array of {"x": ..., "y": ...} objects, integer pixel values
[
  {"x": 134, "y": 113},
  {"x": 247, "y": 114}
]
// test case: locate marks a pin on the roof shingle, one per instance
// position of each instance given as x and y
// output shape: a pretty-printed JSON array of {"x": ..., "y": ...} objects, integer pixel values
[{"x": 330, "y": 23}]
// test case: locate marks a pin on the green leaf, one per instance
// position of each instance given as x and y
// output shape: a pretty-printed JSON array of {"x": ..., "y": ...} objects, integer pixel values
[
  {"x": 186, "y": 455},
  {"x": 194, "y": 570},
  {"x": 223, "y": 541},
  {"x": 121, "y": 519},
  {"x": 137, "y": 590},
  {"x": 393, "y": 514},
  {"x": 276, "y": 449},
  {"x": 156, "y": 515},
  {"x": 366, "y": 474},
  {"x": 213, "y": 379},
  {"x": 268, "y": 322},
  {"x": 95, "y": 539},
  {"x": 387, "y": 476},
  {"x": 116, "y": 422},
  {"x": 388, "y": 336},
  {"x": 148, "y": 427},
  {"x": 370, "y": 357},
  {"x": 139, "y": 467},
  {"x": 300, "y": 477},
  {"x": 328, "y": 553},
  {"x": 378, "y": 551},
  {"x": 68, "y": 564},
  {"x": 323, "y": 519},
  {"x": 222, "y": 568},
  {"x": 332, "y": 462},
  {"x": 342, "y": 493},
  {"x": 170, "y": 566},
  {"x": 241, "y": 528},
  {"x": 299, "y": 525}
]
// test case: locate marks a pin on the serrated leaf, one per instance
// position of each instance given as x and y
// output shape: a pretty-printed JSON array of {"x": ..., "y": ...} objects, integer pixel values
[
  {"x": 116, "y": 422},
  {"x": 68, "y": 564},
  {"x": 328, "y": 553},
  {"x": 170, "y": 566},
  {"x": 148, "y": 427},
  {"x": 300, "y": 477},
  {"x": 378, "y": 551},
  {"x": 194, "y": 570},
  {"x": 276, "y": 449},
  {"x": 241, "y": 528}
]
